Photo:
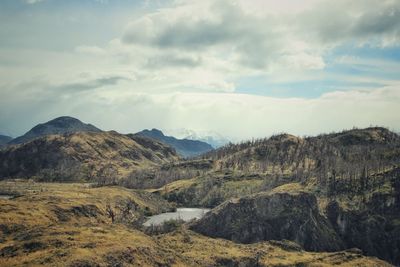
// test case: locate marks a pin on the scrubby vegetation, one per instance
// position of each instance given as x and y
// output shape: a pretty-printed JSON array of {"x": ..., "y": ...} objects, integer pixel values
[
  {"x": 68, "y": 225},
  {"x": 351, "y": 180},
  {"x": 102, "y": 157}
]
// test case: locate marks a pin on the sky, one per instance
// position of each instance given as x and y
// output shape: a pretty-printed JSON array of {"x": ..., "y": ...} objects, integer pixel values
[{"x": 242, "y": 68}]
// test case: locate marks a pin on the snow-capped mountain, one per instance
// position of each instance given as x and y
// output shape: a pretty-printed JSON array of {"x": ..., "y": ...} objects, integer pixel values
[{"x": 211, "y": 137}]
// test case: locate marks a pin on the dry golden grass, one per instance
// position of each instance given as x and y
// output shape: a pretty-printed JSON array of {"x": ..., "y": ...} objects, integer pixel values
[
  {"x": 198, "y": 250},
  {"x": 47, "y": 225},
  {"x": 176, "y": 185},
  {"x": 290, "y": 188},
  {"x": 83, "y": 156}
]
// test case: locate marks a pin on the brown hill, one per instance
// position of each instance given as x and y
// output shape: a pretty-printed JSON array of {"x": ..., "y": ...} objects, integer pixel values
[
  {"x": 354, "y": 175},
  {"x": 271, "y": 216},
  {"x": 55, "y": 224},
  {"x": 345, "y": 153},
  {"x": 60, "y": 125},
  {"x": 101, "y": 156}
]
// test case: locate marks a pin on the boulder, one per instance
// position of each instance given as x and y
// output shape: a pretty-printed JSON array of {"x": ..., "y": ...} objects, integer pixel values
[{"x": 271, "y": 216}]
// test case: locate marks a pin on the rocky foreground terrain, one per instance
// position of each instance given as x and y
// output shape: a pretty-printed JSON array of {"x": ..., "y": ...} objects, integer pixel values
[{"x": 76, "y": 225}]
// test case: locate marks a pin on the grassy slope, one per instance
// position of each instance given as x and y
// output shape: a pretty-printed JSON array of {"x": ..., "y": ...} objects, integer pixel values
[
  {"x": 66, "y": 224},
  {"x": 83, "y": 156},
  {"x": 212, "y": 188}
]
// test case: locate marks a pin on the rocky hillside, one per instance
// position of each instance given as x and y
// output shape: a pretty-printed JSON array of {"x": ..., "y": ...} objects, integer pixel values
[
  {"x": 346, "y": 163},
  {"x": 267, "y": 216},
  {"x": 60, "y": 125},
  {"x": 343, "y": 155},
  {"x": 75, "y": 225},
  {"x": 185, "y": 147},
  {"x": 92, "y": 156},
  {"x": 370, "y": 224},
  {"x": 353, "y": 175}
]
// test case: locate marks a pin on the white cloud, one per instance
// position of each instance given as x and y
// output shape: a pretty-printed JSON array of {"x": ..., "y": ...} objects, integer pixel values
[
  {"x": 94, "y": 50},
  {"x": 238, "y": 116},
  {"x": 178, "y": 67}
]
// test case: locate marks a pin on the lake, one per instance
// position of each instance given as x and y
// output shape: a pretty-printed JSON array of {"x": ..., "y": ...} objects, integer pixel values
[
  {"x": 185, "y": 214},
  {"x": 6, "y": 196}
]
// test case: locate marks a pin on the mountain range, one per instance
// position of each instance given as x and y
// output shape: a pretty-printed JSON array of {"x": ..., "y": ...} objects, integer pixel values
[
  {"x": 213, "y": 138},
  {"x": 4, "y": 139},
  {"x": 327, "y": 193},
  {"x": 185, "y": 147},
  {"x": 68, "y": 125}
]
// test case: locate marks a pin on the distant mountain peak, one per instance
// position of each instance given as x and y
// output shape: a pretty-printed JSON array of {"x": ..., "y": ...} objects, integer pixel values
[
  {"x": 156, "y": 131},
  {"x": 213, "y": 138},
  {"x": 4, "y": 139},
  {"x": 59, "y": 125},
  {"x": 185, "y": 147}
]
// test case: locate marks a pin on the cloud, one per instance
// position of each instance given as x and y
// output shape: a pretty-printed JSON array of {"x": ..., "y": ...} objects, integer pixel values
[
  {"x": 88, "y": 85},
  {"x": 173, "y": 60},
  {"x": 224, "y": 30},
  {"x": 94, "y": 50},
  {"x": 238, "y": 116},
  {"x": 373, "y": 22},
  {"x": 31, "y": 2},
  {"x": 261, "y": 35},
  {"x": 179, "y": 64}
]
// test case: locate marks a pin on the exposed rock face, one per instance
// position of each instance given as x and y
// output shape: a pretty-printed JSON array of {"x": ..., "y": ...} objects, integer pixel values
[
  {"x": 185, "y": 147},
  {"x": 275, "y": 216},
  {"x": 60, "y": 125},
  {"x": 82, "y": 156},
  {"x": 375, "y": 232}
]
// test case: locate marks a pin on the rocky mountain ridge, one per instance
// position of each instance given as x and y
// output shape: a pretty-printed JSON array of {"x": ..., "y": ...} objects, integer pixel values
[
  {"x": 185, "y": 147},
  {"x": 4, "y": 139},
  {"x": 266, "y": 216},
  {"x": 60, "y": 125},
  {"x": 213, "y": 138},
  {"x": 78, "y": 156}
]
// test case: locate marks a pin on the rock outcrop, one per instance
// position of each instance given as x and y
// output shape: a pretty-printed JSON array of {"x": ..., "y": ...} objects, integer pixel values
[
  {"x": 374, "y": 230},
  {"x": 271, "y": 216}
]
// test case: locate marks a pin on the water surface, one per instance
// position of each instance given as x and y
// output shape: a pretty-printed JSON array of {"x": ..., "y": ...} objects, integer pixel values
[
  {"x": 185, "y": 214},
  {"x": 6, "y": 196}
]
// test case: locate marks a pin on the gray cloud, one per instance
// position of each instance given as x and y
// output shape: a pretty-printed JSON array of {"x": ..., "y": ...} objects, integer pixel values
[
  {"x": 259, "y": 41},
  {"x": 89, "y": 85},
  {"x": 359, "y": 21},
  {"x": 171, "y": 60},
  {"x": 229, "y": 27},
  {"x": 372, "y": 23},
  {"x": 185, "y": 32}
]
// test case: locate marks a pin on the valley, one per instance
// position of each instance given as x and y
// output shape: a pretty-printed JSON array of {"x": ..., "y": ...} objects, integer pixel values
[
  {"x": 213, "y": 133},
  {"x": 59, "y": 224},
  {"x": 95, "y": 198}
]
